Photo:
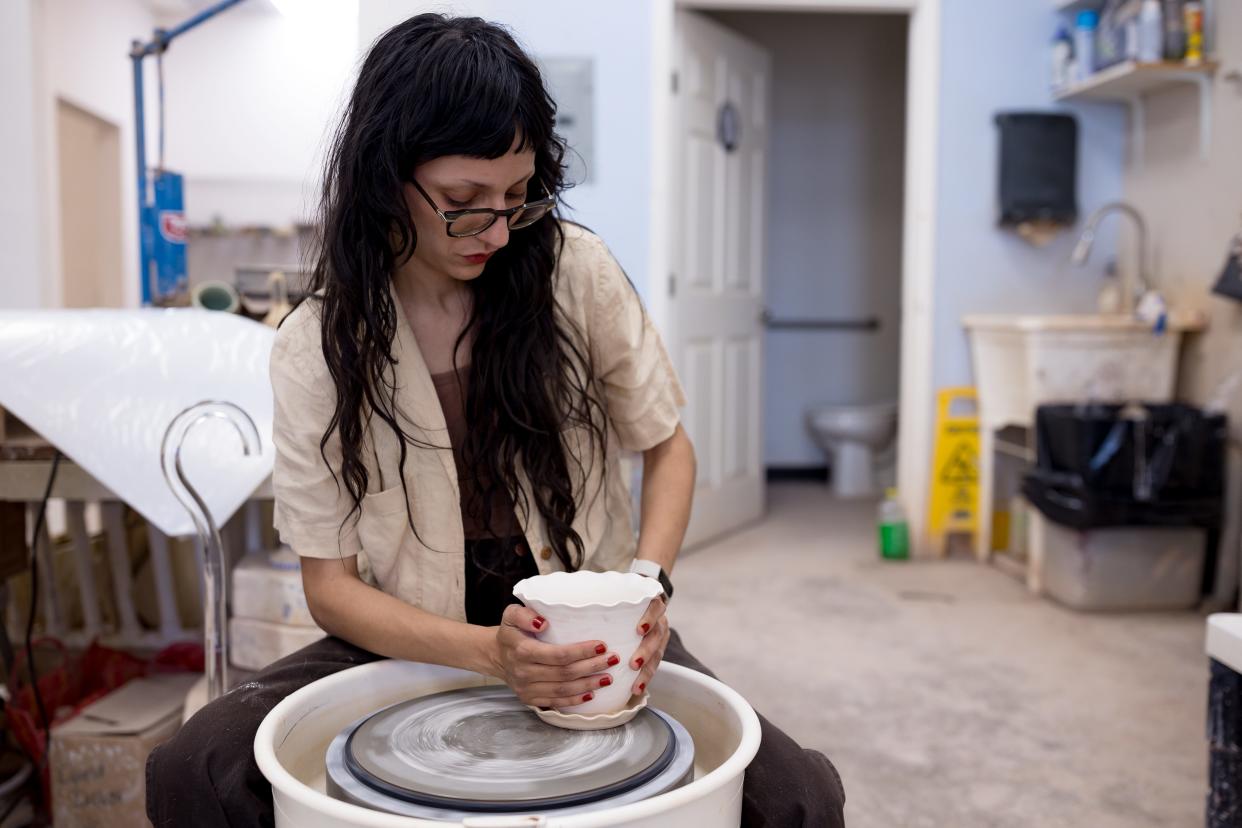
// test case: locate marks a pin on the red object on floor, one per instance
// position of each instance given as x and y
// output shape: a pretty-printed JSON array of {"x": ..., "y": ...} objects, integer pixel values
[{"x": 74, "y": 684}]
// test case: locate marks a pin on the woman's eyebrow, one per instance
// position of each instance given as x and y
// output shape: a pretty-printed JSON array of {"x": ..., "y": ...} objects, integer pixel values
[{"x": 465, "y": 182}]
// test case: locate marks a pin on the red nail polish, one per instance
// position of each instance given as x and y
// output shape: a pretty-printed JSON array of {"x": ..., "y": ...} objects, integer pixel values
[
  {"x": 600, "y": 649},
  {"x": 642, "y": 687},
  {"x": 646, "y": 627},
  {"x": 605, "y": 681},
  {"x": 639, "y": 663},
  {"x": 613, "y": 661},
  {"x": 586, "y": 697},
  {"x": 537, "y": 623}
]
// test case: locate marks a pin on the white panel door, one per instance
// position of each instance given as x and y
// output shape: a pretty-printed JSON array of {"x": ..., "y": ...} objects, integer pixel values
[{"x": 716, "y": 287}]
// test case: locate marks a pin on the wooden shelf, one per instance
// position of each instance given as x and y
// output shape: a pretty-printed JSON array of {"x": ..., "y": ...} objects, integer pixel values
[
  {"x": 1126, "y": 80},
  {"x": 1129, "y": 82}
]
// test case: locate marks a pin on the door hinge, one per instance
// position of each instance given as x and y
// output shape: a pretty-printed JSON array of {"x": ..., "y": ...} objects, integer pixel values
[
  {"x": 674, "y": 83},
  {"x": 672, "y": 284}
]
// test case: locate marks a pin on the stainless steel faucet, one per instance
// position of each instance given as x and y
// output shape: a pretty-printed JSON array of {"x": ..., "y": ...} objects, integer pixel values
[{"x": 1129, "y": 295}]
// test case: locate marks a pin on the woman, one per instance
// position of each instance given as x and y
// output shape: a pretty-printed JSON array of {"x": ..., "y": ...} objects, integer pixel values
[{"x": 450, "y": 405}]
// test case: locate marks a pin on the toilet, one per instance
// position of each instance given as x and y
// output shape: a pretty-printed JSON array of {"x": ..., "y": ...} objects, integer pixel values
[{"x": 852, "y": 435}]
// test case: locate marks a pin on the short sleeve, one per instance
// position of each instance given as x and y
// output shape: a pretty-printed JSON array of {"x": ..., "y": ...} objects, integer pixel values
[
  {"x": 642, "y": 392},
  {"x": 310, "y": 508}
]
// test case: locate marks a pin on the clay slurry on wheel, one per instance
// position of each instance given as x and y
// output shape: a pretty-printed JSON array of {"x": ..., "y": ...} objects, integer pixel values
[{"x": 480, "y": 749}]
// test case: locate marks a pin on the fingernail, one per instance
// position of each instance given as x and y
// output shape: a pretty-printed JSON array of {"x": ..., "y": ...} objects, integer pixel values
[
  {"x": 642, "y": 687},
  {"x": 586, "y": 697},
  {"x": 537, "y": 623},
  {"x": 613, "y": 661},
  {"x": 605, "y": 681},
  {"x": 645, "y": 628},
  {"x": 600, "y": 649},
  {"x": 638, "y": 663}
]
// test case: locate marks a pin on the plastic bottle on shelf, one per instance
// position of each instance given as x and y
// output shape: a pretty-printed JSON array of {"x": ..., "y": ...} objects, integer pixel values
[
  {"x": 1194, "y": 32},
  {"x": 1084, "y": 43},
  {"x": 1174, "y": 30},
  {"x": 1151, "y": 32},
  {"x": 894, "y": 531},
  {"x": 1062, "y": 59}
]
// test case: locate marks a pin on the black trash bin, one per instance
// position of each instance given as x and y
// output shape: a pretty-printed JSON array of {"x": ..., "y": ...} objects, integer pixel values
[{"x": 1103, "y": 466}]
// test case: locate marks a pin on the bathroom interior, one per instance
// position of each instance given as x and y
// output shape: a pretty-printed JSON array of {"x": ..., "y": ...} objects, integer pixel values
[
  {"x": 833, "y": 254},
  {"x": 993, "y": 566}
]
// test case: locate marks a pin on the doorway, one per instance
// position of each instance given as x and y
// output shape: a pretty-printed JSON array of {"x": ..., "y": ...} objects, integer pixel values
[
  {"x": 813, "y": 277},
  {"x": 89, "y": 158}
]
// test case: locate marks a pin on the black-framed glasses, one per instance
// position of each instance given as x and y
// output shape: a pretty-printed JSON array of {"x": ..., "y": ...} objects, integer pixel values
[{"x": 461, "y": 224}]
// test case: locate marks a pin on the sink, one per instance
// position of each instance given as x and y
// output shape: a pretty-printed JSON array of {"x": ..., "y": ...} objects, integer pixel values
[{"x": 1024, "y": 360}]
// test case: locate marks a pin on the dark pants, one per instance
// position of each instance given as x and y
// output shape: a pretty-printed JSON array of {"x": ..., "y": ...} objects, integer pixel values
[{"x": 206, "y": 774}]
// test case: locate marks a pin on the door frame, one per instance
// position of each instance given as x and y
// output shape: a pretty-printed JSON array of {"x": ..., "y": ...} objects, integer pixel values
[{"x": 915, "y": 429}]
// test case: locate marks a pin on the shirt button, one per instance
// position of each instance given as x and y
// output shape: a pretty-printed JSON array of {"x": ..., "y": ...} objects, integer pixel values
[{"x": 546, "y": 553}]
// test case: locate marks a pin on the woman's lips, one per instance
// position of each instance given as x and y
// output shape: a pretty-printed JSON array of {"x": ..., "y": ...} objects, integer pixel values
[{"x": 478, "y": 258}]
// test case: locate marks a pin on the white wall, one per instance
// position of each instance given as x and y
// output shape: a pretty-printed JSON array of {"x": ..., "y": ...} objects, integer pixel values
[
  {"x": 995, "y": 56},
  {"x": 618, "y": 35},
  {"x": 252, "y": 97},
  {"x": 835, "y": 213},
  {"x": 22, "y": 273},
  {"x": 1194, "y": 207},
  {"x": 81, "y": 54}
]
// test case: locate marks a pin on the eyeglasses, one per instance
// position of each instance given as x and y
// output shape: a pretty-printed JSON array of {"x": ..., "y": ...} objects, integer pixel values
[{"x": 461, "y": 224}]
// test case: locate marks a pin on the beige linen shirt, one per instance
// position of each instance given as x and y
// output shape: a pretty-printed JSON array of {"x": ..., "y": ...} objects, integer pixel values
[{"x": 641, "y": 397}]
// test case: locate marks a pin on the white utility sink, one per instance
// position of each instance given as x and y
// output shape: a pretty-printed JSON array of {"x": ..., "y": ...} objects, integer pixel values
[{"x": 1024, "y": 360}]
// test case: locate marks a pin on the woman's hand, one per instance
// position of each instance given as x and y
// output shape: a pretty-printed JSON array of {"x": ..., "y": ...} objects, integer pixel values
[
  {"x": 654, "y": 629},
  {"x": 548, "y": 675}
]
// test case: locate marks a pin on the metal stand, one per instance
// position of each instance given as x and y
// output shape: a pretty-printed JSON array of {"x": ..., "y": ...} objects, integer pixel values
[{"x": 215, "y": 584}]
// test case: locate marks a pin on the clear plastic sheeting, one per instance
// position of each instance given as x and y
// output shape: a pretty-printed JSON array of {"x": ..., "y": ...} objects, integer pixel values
[{"x": 103, "y": 385}]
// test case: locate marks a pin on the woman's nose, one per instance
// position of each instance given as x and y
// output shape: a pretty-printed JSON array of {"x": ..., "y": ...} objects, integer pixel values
[{"x": 498, "y": 234}]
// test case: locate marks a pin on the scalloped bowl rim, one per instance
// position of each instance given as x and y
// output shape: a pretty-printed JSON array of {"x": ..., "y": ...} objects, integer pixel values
[
  {"x": 629, "y": 711},
  {"x": 522, "y": 589}
]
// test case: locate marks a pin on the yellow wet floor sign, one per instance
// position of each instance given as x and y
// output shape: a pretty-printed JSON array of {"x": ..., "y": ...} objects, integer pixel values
[{"x": 954, "y": 503}]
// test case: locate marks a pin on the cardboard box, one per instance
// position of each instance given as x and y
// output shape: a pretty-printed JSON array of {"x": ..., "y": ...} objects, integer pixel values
[
  {"x": 255, "y": 644},
  {"x": 268, "y": 588},
  {"x": 99, "y": 757}
]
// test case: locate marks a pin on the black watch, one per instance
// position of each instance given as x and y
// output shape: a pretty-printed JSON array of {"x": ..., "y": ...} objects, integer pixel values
[{"x": 651, "y": 569}]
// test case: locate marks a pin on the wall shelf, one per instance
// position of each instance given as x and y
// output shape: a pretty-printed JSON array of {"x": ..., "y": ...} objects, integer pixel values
[{"x": 1129, "y": 82}]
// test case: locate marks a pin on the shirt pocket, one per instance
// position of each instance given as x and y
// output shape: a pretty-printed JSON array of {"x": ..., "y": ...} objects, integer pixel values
[{"x": 382, "y": 528}]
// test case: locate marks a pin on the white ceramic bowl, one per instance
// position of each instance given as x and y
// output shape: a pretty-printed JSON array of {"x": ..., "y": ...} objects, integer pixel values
[{"x": 589, "y": 606}]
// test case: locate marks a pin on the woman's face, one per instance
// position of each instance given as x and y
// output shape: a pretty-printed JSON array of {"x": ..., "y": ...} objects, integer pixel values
[{"x": 459, "y": 182}]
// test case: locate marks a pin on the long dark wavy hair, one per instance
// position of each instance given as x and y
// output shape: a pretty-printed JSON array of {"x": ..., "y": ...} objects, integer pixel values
[{"x": 434, "y": 86}]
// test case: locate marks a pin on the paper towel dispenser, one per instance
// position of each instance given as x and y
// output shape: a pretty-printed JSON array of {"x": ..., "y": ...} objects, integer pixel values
[{"x": 1038, "y": 174}]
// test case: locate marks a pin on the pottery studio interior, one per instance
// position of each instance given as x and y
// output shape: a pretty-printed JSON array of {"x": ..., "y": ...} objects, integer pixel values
[{"x": 653, "y": 413}]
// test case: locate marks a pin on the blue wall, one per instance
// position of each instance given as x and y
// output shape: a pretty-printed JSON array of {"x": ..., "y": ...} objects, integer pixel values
[{"x": 995, "y": 57}]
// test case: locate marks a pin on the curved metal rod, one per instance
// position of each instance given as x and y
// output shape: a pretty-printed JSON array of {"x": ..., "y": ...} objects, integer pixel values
[{"x": 215, "y": 584}]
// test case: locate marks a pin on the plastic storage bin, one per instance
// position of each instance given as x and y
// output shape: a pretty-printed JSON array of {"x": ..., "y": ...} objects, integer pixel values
[{"x": 1123, "y": 568}]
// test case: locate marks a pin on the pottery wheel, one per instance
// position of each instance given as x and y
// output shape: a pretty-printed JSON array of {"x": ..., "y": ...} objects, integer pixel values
[{"x": 480, "y": 749}]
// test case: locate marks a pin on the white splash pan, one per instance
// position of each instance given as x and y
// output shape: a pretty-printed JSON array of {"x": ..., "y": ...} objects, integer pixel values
[{"x": 293, "y": 738}]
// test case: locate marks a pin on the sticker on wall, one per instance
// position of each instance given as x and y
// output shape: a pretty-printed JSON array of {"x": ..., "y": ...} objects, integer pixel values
[{"x": 571, "y": 83}]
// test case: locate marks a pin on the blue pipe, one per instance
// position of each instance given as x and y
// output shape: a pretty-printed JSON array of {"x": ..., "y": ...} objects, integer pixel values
[{"x": 138, "y": 51}]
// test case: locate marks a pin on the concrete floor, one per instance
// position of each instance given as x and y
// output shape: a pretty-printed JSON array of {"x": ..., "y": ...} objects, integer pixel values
[{"x": 943, "y": 692}]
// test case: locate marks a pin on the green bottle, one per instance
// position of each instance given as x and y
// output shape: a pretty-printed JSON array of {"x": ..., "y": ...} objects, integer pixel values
[{"x": 894, "y": 530}]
